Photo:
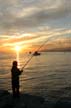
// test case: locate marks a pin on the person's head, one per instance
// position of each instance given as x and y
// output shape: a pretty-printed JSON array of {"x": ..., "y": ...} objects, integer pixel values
[{"x": 15, "y": 63}]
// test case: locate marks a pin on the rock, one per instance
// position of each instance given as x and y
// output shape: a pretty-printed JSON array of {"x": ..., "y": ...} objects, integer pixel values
[
  {"x": 25, "y": 101},
  {"x": 4, "y": 93},
  {"x": 33, "y": 101},
  {"x": 3, "y": 98},
  {"x": 64, "y": 102}
]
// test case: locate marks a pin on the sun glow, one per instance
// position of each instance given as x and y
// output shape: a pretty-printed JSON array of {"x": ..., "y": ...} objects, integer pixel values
[{"x": 17, "y": 48}]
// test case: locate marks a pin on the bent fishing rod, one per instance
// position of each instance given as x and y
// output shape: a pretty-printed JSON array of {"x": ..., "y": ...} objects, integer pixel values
[
  {"x": 49, "y": 39},
  {"x": 34, "y": 52}
]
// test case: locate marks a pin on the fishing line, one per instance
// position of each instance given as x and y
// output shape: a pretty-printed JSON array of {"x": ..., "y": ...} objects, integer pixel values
[
  {"x": 51, "y": 37},
  {"x": 27, "y": 62}
]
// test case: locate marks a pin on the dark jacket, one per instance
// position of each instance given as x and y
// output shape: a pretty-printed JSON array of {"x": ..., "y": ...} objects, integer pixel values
[{"x": 15, "y": 76}]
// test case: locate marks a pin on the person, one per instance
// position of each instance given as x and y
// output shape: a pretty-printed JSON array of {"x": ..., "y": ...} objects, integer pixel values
[{"x": 15, "y": 71}]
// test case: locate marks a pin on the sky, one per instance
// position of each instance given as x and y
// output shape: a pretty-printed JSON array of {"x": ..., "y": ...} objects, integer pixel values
[{"x": 31, "y": 23}]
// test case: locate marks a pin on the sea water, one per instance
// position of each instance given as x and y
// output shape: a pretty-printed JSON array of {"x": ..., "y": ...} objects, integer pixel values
[{"x": 44, "y": 75}]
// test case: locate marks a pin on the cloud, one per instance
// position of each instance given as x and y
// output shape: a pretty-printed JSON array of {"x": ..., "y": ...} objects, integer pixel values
[
  {"x": 36, "y": 38},
  {"x": 21, "y": 15},
  {"x": 44, "y": 20},
  {"x": 62, "y": 44}
]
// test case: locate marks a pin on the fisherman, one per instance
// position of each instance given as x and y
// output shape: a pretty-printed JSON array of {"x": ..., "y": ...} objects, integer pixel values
[{"x": 15, "y": 72}]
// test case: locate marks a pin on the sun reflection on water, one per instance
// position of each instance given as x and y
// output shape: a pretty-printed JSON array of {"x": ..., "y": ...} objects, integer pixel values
[{"x": 17, "y": 48}]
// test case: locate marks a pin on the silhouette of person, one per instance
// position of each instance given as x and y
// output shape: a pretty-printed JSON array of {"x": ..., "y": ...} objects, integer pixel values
[{"x": 15, "y": 72}]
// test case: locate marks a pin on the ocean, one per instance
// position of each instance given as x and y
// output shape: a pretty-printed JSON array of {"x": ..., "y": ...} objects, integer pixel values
[{"x": 46, "y": 75}]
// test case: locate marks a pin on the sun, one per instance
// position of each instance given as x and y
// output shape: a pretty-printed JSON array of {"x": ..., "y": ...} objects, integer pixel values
[{"x": 17, "y": 48}]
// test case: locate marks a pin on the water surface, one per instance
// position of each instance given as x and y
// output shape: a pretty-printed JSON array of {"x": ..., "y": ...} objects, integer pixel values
[{"x": 44, "y": 75}]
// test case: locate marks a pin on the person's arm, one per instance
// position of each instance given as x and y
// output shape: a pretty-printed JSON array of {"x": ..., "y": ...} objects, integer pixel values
[{"x": 19, "y": 71}]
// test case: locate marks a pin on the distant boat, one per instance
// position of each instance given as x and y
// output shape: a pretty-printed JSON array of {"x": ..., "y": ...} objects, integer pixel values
[
  {"x": 30, "y": 52},
  {"x": 36, "y": 53}
]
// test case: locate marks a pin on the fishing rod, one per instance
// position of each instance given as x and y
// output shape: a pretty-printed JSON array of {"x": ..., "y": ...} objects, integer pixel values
[
  {"x": 27, "y": 62},
  {"x": 42, "y": 45},
  {"x": 34, "y": 52}
]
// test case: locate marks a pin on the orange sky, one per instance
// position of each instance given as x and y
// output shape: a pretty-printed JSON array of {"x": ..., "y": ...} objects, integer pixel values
[
  {"x": 26, "y": 24},
  {"x": 53, "y": 39},
  {"x": 29, "y": 44}
]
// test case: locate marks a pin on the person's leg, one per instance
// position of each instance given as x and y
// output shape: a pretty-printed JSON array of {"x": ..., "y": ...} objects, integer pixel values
[
  {"x": 13, "y": 90},
  {"x": 17, "y": 91}
]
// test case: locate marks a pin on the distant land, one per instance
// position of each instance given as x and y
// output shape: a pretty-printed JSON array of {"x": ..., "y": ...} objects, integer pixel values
[{"x": 57, "y": 50}]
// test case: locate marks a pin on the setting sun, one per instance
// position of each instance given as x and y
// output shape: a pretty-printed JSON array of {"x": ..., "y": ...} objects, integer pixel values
[{"x": 17, "y": 48}]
